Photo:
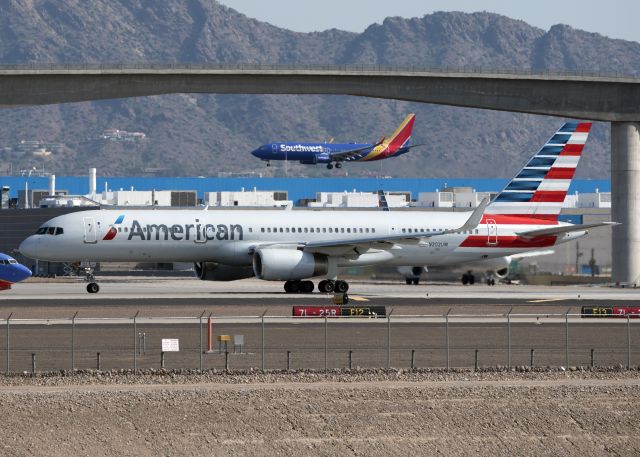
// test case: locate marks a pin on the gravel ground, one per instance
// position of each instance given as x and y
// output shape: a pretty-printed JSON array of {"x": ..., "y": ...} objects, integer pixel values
[{"x": 370, "y": 413}]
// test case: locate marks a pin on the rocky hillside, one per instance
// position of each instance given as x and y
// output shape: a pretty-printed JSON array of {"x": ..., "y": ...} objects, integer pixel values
[{"x": 209, "y": 134}]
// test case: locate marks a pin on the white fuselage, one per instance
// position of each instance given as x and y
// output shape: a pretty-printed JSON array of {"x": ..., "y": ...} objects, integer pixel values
[{"x": 230, "y": 236}]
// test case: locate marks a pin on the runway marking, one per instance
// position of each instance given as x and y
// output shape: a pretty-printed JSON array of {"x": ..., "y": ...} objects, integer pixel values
[
  {"x": 544, "y": 300},
  {"x": 358, "y": 298}
]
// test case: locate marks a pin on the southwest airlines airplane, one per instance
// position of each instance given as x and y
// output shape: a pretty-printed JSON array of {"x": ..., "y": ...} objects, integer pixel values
[
  {"x": 293, "y": 246},
  {"x": 11, "y": 272},
  {"x": 330, "y": 153}
]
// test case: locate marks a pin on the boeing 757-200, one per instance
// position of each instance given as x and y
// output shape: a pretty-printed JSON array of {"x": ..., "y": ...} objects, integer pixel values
[
  {"x": 293, "y": 246},
  {"x": 330, "y": 153}
]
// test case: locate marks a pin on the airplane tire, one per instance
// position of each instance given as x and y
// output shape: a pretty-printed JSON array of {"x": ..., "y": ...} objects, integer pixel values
[
  {"x": 93, "y": 288},
  {"x": 472, "y": 279},
  {"x": 416, "y": 281},
  {"x": 465, "y": 279},
  {"x": 326, "y": 286},
  {"x": 338, "y": 165},
  {"x": 341, "y": 286},
  {"x": 306, "y": 287},
  {"x": 408, "y": 281},
  {"x": 329, "y": 166},
  {"x": 294, "y": 286}
]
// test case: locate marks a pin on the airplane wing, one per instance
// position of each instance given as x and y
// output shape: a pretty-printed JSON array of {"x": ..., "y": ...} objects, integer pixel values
[
  {"x": 563, "y": 229},
  {"x": 353, "y": 153},
  {"x": 385, "y": 242}
]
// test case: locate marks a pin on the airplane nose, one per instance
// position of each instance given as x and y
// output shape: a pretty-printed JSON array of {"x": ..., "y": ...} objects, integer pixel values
[
  {"x": 256, "y": 153},
  {"x": 29, "y": 247},
  {"x": 22, "y": 273}
]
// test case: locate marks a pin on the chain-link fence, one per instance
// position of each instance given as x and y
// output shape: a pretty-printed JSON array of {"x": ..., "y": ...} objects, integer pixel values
[{"x": 272, "y": 343}]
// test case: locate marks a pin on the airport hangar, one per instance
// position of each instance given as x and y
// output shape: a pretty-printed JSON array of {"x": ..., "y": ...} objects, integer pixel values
[{"x": 613, "y": 99}]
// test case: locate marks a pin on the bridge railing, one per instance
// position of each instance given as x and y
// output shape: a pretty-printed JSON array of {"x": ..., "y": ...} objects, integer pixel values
[{"x": 246, "y": 67}]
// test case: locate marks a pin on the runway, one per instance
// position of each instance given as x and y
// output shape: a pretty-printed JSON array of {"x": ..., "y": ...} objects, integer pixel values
[{"x": 485, "y": 326}]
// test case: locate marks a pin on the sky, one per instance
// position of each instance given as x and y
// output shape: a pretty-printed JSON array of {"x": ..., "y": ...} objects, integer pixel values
[{"x": 614, "y": 18}]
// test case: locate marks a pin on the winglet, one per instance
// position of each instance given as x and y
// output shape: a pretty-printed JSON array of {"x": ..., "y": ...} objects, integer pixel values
[{"x": 476, "y": 216}]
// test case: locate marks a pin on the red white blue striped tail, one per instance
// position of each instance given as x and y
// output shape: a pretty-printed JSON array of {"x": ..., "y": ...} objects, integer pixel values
[{"x": 540, "y": 187}]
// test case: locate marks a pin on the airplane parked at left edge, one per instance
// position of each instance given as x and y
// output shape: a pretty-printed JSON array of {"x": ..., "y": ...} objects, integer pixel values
[
  {"x": 336, "y": 153},
  {"x": 11, "y": 272}
]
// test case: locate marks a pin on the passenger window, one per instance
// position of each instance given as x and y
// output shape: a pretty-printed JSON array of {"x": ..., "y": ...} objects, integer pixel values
[
  {"x": 119, "y": 229},
  {"x": 330, "y": 229},
  {"x": 306, "y": 230},
  {"x": 324, "y": 230},
  {"x": 299, "y": 230},
  {"x": 410, "y": 231},
  {"x": 269, "y": 229},
  {"x": 262, "y": 229},
  {"x": 341, "y": 229},
  {"x": 126, "y": 229},
  {"x": 373, "y": 230},
  {"x": 348, "y": 230},
  {"x": 311, "y": 229},
  {"x": 281, "y": 230},
  {"x": 287, "y": 229},
  {"x": 366, "y": 230},
  {"x": 360, "y": 229},
  {"x": 250, "y": 229}
]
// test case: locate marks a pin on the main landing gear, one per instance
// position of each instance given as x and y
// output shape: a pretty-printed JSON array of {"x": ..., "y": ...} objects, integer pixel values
[
  {"x": 330, "y": 165},
  {"x": 326, "y": 286},
  {"x": 468, "y": 278}
]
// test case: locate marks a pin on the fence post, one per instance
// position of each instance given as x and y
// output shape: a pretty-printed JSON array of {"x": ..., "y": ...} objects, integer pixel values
[
  {"x": 325, "y": 343},
  {"x": 593, "y": 357},
  {"x": 288, "y": 360},
  {"x": 389, "y": 339},
  {"x": 533, "y": 351},
  {"x": 201, "y": 349},
  {"x": 8, "y": 347},
  {"x": 475, "y": 364},
  {"x": 350, "y": 357},
  {"x": 135, "y": 343},
  {"x": 446, "y": 330},
  {"x": 33, "y": 364},
  {"x": 262, "y": 346},
  {"x": 226, "y": 359},
  {"x": 98, "y": 360},
  {"x": 162, "y": 359},
  {"x": 413, "y": 357},
  {"x": 509, "y": 339},
  {"x": 73, "y": 345},
  {"x": 628, "y": 343},
  {"x": 566, "y": 342}
]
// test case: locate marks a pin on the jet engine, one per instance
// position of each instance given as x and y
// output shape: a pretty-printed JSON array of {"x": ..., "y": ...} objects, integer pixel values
[
  {"x": 288, "y": 264},
  {"x": 212, "y": 271}
]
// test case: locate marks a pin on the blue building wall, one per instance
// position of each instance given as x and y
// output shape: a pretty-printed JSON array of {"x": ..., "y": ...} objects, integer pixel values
[{"x": 298, "y": 188}]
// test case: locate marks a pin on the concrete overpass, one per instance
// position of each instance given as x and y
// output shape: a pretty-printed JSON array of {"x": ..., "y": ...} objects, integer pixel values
[{"x": 582, "y": 96}]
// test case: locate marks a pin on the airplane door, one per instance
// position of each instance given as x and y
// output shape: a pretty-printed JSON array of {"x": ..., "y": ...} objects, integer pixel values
[
  {"x": 90, "y": 233},
  {"x": 492, "y": 232}
]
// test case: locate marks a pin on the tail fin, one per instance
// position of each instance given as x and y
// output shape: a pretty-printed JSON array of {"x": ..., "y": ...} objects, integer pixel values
[
  {"x": 402, "y": 135},
  {"x": 539, "y": 189}
]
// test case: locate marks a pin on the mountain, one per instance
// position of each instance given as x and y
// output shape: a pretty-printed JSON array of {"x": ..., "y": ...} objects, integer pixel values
[{"x": 189, "y": 134}]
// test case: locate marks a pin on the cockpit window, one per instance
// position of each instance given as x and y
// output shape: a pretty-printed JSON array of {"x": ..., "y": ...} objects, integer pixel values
[
  {"x": 59, "y": 231},
  {"x": 13, "y": 261},
  {"x": 51, "y": 230},
  {"x": 41, "y": 231}
]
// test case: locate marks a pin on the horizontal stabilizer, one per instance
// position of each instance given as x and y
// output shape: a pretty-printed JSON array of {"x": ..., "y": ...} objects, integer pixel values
[{"x": 558, "y": 230}]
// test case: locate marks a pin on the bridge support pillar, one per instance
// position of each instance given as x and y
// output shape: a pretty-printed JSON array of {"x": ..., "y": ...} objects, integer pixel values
[{"x": 625, "y": 201}]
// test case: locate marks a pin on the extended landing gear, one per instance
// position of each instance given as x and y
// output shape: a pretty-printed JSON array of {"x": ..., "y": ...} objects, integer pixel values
[
  {"x": 330, "y": 165},
  {"x": 92, "y": 287},
  {"x": 410, "y": 281},
  {"x": 468, "y": 278},
  {"x": 326, "y": 286},
  {"x": 298, "y": 287},
  {"x": 268, "y": 163}
]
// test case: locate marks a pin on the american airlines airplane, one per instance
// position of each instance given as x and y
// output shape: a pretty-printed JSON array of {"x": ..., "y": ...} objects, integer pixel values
[
  {"x": 336, "y": 153},
  {"x": 294, "y": 246}
]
